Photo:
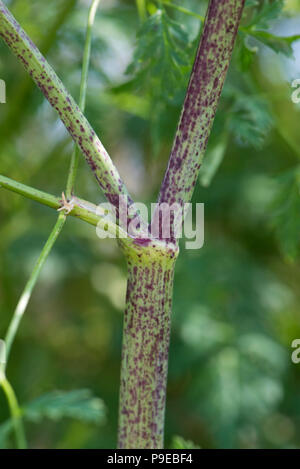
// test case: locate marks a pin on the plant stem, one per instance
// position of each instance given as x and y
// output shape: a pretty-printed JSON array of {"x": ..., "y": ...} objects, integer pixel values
[
  {"x": 71, "y": 116},
  {"x": 82, "y": 93},
  {"x": 146, "y": 336},
  {"x": 30, "y": 192},
  {"x": 13, "y": 328},
  {"x": 88, "y": 214},
  {"x": 38, "y": 195},
  {"x": 26, "y": 295},
  {"x": 15, "y": 411},
  {"x": 201, "y": 101},
  {"x": 23, "y": 301},
  {"x": 150, "y": 268}
]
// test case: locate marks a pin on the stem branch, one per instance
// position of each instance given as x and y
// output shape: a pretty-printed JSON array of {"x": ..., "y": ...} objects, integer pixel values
[
  {"x": 201, "y": 101},
  {"x": 88, "y": 214}
]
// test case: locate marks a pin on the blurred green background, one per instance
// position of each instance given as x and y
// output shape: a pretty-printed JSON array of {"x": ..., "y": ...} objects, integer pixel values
[{"x": 232, "y": 383}]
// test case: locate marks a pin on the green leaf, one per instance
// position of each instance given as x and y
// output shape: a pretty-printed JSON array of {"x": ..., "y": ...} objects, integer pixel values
[
  {"x": 278, "y": 44},
  {"x": 162, "y": 58},
  {"x": 246, "y": 54},
  {"x": 78, "y": 404},
  {"x": 250, "y": 119},
  {"x": 269, "y": 11},
  {"x": 159, "y": 72},
  {"x": 180, "y": 443}
]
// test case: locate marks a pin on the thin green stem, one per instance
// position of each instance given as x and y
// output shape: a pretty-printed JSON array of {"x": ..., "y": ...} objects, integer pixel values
[
  {"x": 29, "y": 192},
  {"x": 25, "y": 297},
  {"x": 82, "y": 93},
  {"x": 88, "y": 214},
  {"x": 141, "y": 6},
  {"x": 27, "y": 292},
  {"x": 14, "y": 326},
  {"x": 15, "y": 411},
  {"x": 82, "y": 209}
]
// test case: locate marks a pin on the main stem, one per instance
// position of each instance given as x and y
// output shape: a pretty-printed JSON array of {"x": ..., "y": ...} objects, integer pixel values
[
  {"x": 147, "y": 319},
  {"x": 146, "y": 337}
]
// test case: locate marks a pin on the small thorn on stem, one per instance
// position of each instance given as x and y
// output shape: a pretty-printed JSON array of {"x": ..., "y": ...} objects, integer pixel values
[{"x": 67, "y": 205}]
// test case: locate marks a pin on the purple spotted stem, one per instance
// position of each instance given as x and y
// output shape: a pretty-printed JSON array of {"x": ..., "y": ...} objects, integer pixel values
[
  {"x": 150, "y": 284},
  {"x": 201, "y": 101},
  {"x": 150, "y": 262}
]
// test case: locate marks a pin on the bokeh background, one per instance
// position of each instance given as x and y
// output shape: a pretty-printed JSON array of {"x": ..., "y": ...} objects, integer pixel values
[{"x": 232, "y": 383}]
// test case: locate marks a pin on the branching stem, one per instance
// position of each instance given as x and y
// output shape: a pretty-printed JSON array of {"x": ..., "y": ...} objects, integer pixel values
[{"x": 151, "y": 263}]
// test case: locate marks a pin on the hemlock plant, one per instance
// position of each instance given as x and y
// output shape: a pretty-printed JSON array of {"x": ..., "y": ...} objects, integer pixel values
[{"x": 151, "y": 262}]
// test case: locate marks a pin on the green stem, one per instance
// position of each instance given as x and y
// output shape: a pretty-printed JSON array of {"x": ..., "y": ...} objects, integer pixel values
[
  {"x": 14, "y": 326},
  {"x": 29, "y": 192},
  {"x": 84, "y": 210},
  {"x": 15, "y": 412},
  {"x": 88, "y": 214},
  {"x": 25, "y": 297},
  {"x": 38, "y": 195},
  {"x": 82, "y": 93}
]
